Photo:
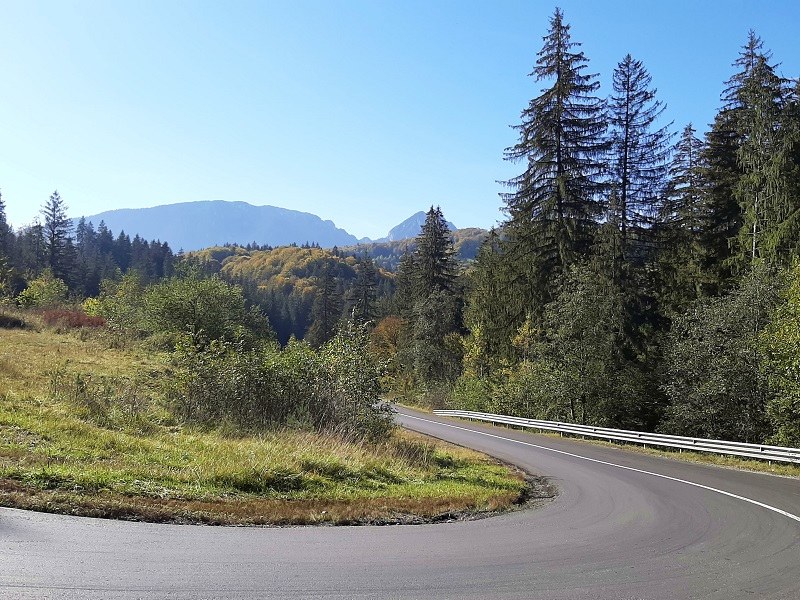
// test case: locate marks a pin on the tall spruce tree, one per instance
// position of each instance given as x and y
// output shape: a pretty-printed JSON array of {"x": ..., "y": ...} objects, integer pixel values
[
  {"x": 721, "y": 172},
  {"x": 683, "y": 204},
  {"x": 639, "y": 153},
  {"x": 363, "y": 294},
  {"x": 58, "y": 243},
  {"x": 5, "y": 230},
  {"x": 436, "y": 311},
  {"x": 555, "y": 203},
  {"x": 682, "y": 221},
  {"x": 434, "y": 256},
  {"x": 749, "y": 167},
  {"x": 761, "y": 190},
  {"x": 327, "y": 309}
]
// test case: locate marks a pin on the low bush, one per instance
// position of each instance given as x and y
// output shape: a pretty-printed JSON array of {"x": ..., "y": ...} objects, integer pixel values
[{"x": 334, "y": 389}]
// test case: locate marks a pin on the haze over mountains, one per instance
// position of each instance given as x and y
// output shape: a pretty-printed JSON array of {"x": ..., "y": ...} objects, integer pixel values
[{"x": 197, "y": 225}]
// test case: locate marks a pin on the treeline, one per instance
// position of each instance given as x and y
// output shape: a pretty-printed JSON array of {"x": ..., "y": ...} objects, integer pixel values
[
  {"x": 80, "y": 257},
  {"x": 639, "y": 281}
]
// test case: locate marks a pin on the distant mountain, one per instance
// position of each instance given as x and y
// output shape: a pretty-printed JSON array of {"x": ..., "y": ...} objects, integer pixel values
[
  {"x": 196, "y": 225},
  {"x": 409, "y": 228}
]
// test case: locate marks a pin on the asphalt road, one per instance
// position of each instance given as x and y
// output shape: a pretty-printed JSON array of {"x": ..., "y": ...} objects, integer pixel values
[{"x": 624, "y": 526}]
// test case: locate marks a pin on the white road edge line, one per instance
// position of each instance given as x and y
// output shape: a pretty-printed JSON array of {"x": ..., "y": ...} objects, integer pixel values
[{"x": 610, "y": 464}]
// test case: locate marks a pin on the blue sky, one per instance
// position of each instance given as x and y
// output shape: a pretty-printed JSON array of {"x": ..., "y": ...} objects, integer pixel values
[{"x": 362, "y": 112}]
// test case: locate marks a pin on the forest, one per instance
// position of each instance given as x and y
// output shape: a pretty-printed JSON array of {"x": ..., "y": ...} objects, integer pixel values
[{"x": 641, "y": 279}]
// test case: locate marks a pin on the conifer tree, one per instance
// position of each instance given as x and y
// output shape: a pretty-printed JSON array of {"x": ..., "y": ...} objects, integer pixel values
[
  {"x": 6, "y": 273},
  {"x": 493, "y": 312},
  {"x": 555, "y": 203},
  {"x": 326, "y": 310},
  {"x": 749, "y": 166},
  {"x": 58, "y": 243},
  {"x": 404, "y": 285},
  {"x": 435, "y": 312},
  {"x": 638, "y": 154},
  {"x": 434, "y": 256},
  {"x": 3, "y": 226},
  {"x": 682, "y": 221},
  {"x": 721, "y": 172},
  {"x": 363, "y": 293},
  {"x": 761, "y": 190}
]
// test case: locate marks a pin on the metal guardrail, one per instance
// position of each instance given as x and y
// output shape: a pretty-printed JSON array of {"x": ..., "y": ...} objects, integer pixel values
[{"x": 760, "y": 451}]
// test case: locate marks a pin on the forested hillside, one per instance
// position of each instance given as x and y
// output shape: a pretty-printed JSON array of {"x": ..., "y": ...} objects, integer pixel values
[{"x": 305, "y": 291}]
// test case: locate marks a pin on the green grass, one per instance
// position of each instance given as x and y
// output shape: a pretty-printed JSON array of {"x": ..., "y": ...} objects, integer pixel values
[{"x": 83, "y": 431}]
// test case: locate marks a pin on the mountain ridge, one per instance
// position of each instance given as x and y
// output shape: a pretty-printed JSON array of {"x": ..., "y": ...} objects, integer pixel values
[{"x": 201, "y": 224}]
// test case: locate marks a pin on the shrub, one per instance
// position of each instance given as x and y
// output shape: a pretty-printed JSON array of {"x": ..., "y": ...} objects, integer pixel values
[
  {"x": 43, "y": 292},
  {"x": 470, "y": 393},
  {"x": 334, "y": 389}
]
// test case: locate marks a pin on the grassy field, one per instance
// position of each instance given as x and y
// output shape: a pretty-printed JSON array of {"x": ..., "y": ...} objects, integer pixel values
[{"x": 83, "y": 430}]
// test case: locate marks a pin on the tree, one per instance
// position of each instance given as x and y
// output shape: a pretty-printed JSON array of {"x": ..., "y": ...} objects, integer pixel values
[
  {"x": 436, "y": 352},
  {"x": 121, "y": 251},
  {"x": 5, "y": 230},
  {"x": 753, "y": 209},
  {"x": 720, "y": 172},
  {"x": 495, "y": 306},
  {"x": 638, "y": 154},
  {"x": 682, "y": 220},
  {"x": 57, "y": 240},
  {"x": 89, "y": 273},
  {"x": 761, "y": 190},
  {"x": 556, "y": 201},
  {"x": 780, "y": 343},
  {"x": 434, "y": 262},
  {"x": 327, "y": 309},
  {"x": 404, "y": 285},
  {"x": 30, "y": 251},
  {"x": 46, "y": 291},
  {"x": 715, "y": 380},
  {"x": 583, "y": 327},
  {"x": 363, "y": 293},
  {"x": 207, "y": 309},
  {"x": 435, "y": 308}
]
